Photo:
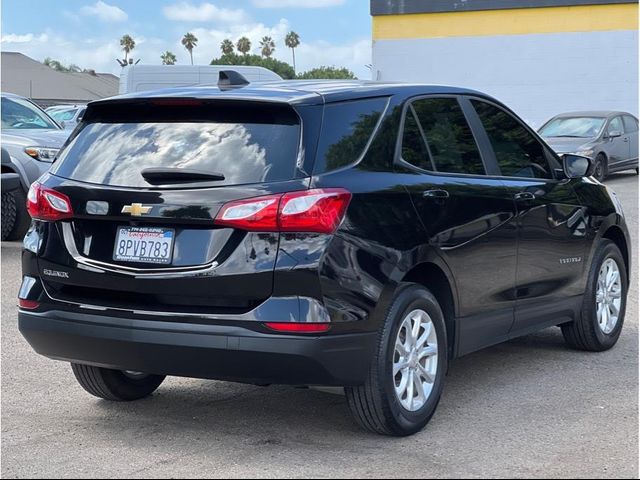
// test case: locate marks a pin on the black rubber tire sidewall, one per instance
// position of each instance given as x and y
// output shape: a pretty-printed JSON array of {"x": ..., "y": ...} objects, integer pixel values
[
  {"x": 114, "y": 385},
  {"x": 8, "y": 205},
  {"x": 601, "y": 161},
  {"x": 408, "y": 299},
  {"x": 23, "y": 219}
]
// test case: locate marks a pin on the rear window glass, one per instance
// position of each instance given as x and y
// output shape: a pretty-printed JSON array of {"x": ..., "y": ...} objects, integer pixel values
[
  {"x": 346, "y": 130},
  {"x": 250, "y": 144}
]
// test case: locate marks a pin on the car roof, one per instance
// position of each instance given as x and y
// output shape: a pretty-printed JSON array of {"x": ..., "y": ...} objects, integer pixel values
[
  {"x": 297, "y": 91},
  {"x": 593, "y": 113}
]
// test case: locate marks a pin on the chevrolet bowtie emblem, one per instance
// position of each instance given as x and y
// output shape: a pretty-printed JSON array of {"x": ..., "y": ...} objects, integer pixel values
[{"x": 136, "y": 209}]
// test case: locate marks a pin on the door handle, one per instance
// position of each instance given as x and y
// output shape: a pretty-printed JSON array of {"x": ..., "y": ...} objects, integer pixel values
[
  {"x": 626, "y": 140},
  {"x": 524, "y": 197},
  {"x": 436, "y": 194}
]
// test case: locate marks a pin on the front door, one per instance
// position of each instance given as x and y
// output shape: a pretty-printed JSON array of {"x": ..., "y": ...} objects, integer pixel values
[
  {"x": 551, "y": 225},
  {"x": 617, "y": 146},
  {"x": 469, "y": 217}
]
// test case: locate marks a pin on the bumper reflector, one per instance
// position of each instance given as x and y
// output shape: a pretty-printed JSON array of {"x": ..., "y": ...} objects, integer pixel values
[
  {"x": 28, "y": 304},
  {"x": 299, "y": 327}
]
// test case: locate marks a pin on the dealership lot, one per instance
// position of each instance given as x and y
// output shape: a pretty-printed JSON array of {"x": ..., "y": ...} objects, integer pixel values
[{"x": 526, "y": 408}]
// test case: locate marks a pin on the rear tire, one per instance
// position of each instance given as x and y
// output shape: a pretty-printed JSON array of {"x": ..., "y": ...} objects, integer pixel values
[
  {"x": 587, "y": 331},
  {"x": 115, "y": 385},
  {"x": 377, "y": 406},
  {"x": 22, "y": 217},
  {"x": 8, "y": 205}
]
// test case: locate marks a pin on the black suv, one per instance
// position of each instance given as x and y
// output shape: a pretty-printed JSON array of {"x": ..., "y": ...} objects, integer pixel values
[{"x": 349, "y": 234}]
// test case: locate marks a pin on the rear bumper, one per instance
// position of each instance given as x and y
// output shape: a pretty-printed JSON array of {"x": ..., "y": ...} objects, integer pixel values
[{"x": 217, "y": 352}]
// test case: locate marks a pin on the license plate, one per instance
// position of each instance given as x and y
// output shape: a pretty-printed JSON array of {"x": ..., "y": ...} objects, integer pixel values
[{"x": 144, "y": 245}]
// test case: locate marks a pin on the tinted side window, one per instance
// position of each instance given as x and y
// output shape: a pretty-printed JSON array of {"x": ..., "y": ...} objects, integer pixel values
[
  {"x": 414, "y": 149},
  {"x": 450, "y": 142},
  {"x": 615, "y": 125},
  {"x": 630, "y": 124},
  {"x": 346, "y": 130},
  {"x": 518, "y": 152}
]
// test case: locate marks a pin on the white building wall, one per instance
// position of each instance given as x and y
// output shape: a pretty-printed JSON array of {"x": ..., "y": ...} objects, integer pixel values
[{"x": 537, "y": 75}]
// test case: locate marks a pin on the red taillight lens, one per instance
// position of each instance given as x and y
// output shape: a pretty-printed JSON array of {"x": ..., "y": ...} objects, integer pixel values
[
  {"x": 28, "y": 304},
  {"x": 46, "y": 204},
  {"x": 319, "y": 211},
  {"x": 299, "y": 327}
]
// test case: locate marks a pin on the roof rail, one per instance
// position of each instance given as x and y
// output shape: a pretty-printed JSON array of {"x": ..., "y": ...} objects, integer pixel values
[{"x": 231, "y": 79}]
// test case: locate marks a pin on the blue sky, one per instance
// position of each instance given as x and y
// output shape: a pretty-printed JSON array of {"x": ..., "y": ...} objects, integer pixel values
[{"x": 87, "y": 32}]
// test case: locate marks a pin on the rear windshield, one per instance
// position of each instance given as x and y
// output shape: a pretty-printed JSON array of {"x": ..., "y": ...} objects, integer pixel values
[{"x": 243, "y": 143}]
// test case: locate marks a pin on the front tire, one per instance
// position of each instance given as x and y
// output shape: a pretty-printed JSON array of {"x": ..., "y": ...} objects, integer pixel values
[
  {"x": 600, "y": 170},
  {"x": 8, "y": 204},
  {"x": 115, "y": 385},
  {"x": 22, "y": 219},
  {"x": 600, "y": 321},
  {"x": 406, "y": 374}
]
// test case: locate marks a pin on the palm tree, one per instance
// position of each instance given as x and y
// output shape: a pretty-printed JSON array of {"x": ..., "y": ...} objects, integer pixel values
[
  {"x": 268, "y": 46},
  {"x": 227, "y": 47},
  {"x": 190, "y": 41},
  {"x": 128, "y": 44},
  {"x": 244, "y": 45},
  {"x": 168, "y": 58},
  {"x": 292, "y": 40}
]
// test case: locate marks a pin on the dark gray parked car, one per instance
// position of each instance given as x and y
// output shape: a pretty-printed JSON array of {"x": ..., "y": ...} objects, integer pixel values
[
  {"x": 610, "y": 138},
  {"x": 32, "y": 140}
]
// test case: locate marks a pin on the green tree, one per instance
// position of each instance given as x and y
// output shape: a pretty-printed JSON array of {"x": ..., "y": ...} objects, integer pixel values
[
  {"x": 244, "y": 45},
  {"x": 281, "y": 68},
  {"x": 127, "y": 43},
  {"x": 190, "y": 41},
  {"x": 60, "y": 67},
  {"x": 267, "y": 47},
  {"x": 168, "y": 58},
  {"x": 328, "y": 73},
  {"x": 292, "y": 40},
  {"x": 227, "y": 47}
]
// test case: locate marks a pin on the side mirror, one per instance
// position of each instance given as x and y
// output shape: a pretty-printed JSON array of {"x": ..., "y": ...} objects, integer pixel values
[
  {"x": 576, "y": 166},
  {"x": 614, "y": 134}
]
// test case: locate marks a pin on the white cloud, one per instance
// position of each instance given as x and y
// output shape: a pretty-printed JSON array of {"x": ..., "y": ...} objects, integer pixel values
[
  {"x": 205, "y": 12},
  {"x": 297, "y": 3},
  {"x": 26, "y": 38},
  {"x": 105, "y": 12}
]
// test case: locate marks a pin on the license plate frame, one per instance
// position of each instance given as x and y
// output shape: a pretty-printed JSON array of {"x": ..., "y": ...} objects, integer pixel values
[{"x": 147, "y": 238}]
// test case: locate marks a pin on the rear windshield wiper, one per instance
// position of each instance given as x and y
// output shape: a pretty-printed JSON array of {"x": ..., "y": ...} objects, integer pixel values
[{"x": 160, "y": 175}]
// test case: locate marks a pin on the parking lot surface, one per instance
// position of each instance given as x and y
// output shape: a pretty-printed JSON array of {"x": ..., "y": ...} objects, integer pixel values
[{"x": 527, "y": 408}]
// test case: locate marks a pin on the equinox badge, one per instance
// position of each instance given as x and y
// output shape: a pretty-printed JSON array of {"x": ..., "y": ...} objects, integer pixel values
[{"x": 136, "y": 209}]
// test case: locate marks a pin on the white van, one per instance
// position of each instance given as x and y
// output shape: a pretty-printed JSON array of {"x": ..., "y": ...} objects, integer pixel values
[{"x": 140, "y": 78}]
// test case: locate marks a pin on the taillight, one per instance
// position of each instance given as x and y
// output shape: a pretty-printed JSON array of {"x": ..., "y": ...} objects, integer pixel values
[
  {"x": 46, "y": 204},
  {"x": 299, "y": 327},
  {"x": 318, "y": 211}
]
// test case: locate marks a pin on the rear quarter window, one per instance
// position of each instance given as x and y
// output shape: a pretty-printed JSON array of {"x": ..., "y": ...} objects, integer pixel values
[
  {"x": 245, "y": 143},
  {"x": 347, "y": 128}
]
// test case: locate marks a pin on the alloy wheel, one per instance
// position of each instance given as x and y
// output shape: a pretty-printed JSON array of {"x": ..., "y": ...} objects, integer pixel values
[
  {"x": 608, "y": 296},
  {"x": 415, "y": 360}
]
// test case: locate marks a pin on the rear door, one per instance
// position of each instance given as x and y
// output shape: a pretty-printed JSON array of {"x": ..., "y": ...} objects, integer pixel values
[
  {"x": 551, "y": 221},
  {"x": 149, "y": 241},
  {"x": 469, "y": 217}
]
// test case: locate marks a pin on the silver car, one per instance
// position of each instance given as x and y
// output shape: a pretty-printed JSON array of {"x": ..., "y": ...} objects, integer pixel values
[
  {"x": 32, "y": 140},
  {"x": 609, "y": 138}
]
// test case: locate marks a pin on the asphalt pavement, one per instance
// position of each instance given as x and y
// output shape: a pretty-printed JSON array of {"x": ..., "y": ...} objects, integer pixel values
[{"x": 526, "y": 408}]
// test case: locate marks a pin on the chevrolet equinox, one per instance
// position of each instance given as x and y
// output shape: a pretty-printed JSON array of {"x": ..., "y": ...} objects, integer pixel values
[{"x": 342, "y": 234}]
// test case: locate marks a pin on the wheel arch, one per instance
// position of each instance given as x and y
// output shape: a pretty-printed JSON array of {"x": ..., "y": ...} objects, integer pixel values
[
  {"x": 617, "y": 236},
  {"x": 434, "y": 277}
]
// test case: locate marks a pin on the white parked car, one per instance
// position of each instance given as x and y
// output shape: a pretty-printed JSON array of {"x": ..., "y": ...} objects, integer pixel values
[
  {"x": 67, "y": 115},
  {"x": 141, "y": 78}
]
